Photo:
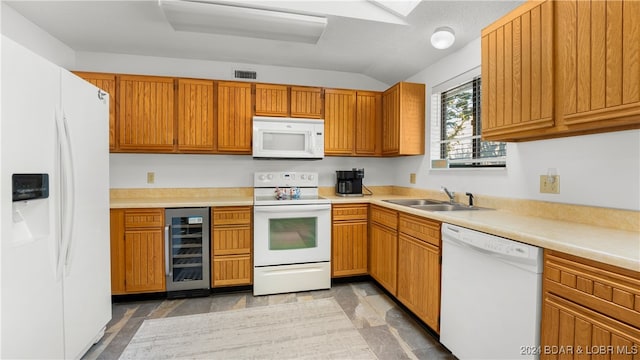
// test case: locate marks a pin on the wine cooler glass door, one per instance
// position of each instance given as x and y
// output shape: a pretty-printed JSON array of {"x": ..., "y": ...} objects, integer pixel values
[{"x": 187, "y": 248}]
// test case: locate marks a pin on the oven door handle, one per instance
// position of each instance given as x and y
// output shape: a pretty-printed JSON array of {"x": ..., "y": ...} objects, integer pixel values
[{"x": 289, "y": 208}]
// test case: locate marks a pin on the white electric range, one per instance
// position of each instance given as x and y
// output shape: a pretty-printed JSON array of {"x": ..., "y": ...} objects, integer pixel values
[{"x": 292, "y": 234}]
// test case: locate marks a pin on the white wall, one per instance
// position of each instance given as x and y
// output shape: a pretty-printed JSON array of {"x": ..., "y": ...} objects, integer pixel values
[
  {"x": 597, "y": 170},
  {"x": 21, "y": 30},
  {"x": 181, "y": 170},
  {"x": 149, "y": 65}
]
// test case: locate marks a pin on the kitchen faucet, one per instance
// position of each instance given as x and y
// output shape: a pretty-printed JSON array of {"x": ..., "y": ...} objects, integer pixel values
[{"x": 450, "y": 194}]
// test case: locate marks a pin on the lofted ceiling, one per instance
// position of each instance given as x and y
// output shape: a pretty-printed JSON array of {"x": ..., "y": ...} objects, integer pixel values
[{"x": 360, "y": 37}]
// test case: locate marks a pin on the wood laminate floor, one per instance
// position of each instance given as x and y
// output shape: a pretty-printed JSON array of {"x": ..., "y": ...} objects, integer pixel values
[{"x": 390, "y": 332}]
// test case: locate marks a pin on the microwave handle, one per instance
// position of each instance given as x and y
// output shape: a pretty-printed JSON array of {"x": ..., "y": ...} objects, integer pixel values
[{"x": 312, "y": 135}]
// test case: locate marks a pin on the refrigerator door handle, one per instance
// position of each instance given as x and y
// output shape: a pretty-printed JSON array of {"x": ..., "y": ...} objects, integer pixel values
[
  {"x": 68, "y": 176},
  {"x": 168, "y": 268},
  {"x": 60, "y": 204}
]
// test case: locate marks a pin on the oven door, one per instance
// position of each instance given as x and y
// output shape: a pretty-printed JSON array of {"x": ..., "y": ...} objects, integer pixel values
[{"x": 291, "y": 234}]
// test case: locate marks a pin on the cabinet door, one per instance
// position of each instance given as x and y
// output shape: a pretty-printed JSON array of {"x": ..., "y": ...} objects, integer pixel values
[
  {"x": 391, "y": 121},
  {"x": 234, "y": 117},
  {"x": 349, "y": 248},
  {"x": 419, "y": 279},
  {"x": 517, "y": 73},
  {"x": 403, "y": 119},
  {"x": 272, "y": 100},
  {"x": 117, "y": 252},
  {"x": 339, "y": 121},
  {"x": 383, "y": 256},
  {"x": 232, "y": 270},
  {"x": 146, "y": 114},
  {"x": 144, "y": 260},
  {"x": 368, "y": 123},
  {"x": 599, "y": 63},
  {"x": 231, "y": 240},
  {"x": 582, "y": 333},
  {"x": 196, "y": 131},
  {"x": 106, "y": 82},
  {"x": 306, "y": 102}
]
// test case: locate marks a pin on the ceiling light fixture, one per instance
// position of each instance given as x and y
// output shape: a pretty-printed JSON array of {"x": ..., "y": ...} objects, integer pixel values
[
  {"x": 443, "y": 37},
  {"x": 205, "y": 17}
]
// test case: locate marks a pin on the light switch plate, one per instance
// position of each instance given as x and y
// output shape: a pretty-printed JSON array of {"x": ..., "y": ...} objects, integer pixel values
[
  {"x": 550, "y": 184},
  {"x": 412, "y": 178},
  {"x": 151, "y": 177}
]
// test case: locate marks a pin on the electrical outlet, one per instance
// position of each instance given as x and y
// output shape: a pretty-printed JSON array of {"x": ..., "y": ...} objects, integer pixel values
[
  {"x": 412, "y": 178},
  {"x": 550, "y": 184},
  {"x": 151, "y": 177}
]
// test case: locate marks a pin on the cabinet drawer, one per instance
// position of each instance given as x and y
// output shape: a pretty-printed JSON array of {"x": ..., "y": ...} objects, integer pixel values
[
  {"x": 350, "y": 212},
  {"x": 143, "y": 218},
  {"x": 231, "y": 215},
  {"x": 231, "y": 240},
  {"x": 568, "y": 325},
  {"x": 420, "y": 228},
  {"x": 603, "y": 288},
  {"x": 231, "y": 270},
  {"x": 384, "y": 217}
]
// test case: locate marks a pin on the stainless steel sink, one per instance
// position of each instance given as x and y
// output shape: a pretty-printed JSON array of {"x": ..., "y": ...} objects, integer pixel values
[
  {"x": 433, "y": 205},
  {"x": 445, "y": 207},
  {"x": 415, "y": 202}
]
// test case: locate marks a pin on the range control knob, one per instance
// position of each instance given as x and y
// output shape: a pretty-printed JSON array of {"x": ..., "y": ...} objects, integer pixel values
[
  {"x": 270, "y": 176},
  {"x": 303, "y": 177},
  {"x": 261, "y": 177},
  {"x": 310, "y": 177}
]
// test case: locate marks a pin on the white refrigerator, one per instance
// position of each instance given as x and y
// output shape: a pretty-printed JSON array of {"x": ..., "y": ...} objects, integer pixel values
[{"x": 55, "y": 289}]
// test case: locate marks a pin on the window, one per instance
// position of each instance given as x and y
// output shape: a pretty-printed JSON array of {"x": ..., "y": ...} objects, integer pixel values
[{"x": 456, "y": 130}]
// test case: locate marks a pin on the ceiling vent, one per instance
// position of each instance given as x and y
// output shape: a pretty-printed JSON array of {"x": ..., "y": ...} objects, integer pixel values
[{"x": 244, "y": 74}]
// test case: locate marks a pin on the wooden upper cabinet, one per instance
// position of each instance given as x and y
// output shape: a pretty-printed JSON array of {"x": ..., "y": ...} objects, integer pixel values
[
  {"x": 403, "y": 119},
  {"x": 196, "y": 132},
  {"x": 306, "y": 102},
  {"x": 106, "y": 82},
  {"x": 598, "y": 63},
  {"x": 234, "y": 117},
  {"x": 561, "y": 68},
  {"x": 272, "y": 100},
  {"x": 146, "y": 113},
  {"x": 368, "y": 129},
  {"x": 517, "y": 72},
  {"x": 339, "y": 121}
]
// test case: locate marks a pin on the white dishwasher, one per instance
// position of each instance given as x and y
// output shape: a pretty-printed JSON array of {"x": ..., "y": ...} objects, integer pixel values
[{"x": 491, "y": 296}]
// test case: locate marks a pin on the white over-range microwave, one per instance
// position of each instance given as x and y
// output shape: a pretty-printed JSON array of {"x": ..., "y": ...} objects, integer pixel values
[{"x": 288, "y": 138}]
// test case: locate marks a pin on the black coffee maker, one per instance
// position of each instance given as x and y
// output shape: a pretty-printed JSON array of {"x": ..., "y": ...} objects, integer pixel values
[{"x": 349, "y": 182}]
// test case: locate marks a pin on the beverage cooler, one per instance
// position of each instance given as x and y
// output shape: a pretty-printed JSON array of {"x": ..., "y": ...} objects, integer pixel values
[{"x": 187, "y": 249}]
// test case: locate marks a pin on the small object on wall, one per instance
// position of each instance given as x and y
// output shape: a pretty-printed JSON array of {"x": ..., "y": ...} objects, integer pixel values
[
  {"x": 550, "y": 184},
  {"x": 151, "y": 177}
]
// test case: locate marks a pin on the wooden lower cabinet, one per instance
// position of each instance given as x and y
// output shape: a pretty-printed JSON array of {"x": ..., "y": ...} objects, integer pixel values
[
  {"x": 144, "y": 260},
  {"x": 572, "y": 331},
  {"x": 349, "y": 240},
  {"x": 589, "y": 309},
  {"x": 419, "y": 265},
  {"x": 137, "y": 251},
  {"x": 231, "y": 270},
  {"x": 231, "y": 246},
  {"x": 383, "y": 247}
]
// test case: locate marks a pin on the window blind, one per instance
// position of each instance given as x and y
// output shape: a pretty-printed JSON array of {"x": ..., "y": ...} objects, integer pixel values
[{"x": 457, "y": 128}]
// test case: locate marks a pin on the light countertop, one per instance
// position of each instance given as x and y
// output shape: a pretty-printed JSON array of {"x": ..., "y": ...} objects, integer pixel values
[{"x": 608, "y": 245}]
